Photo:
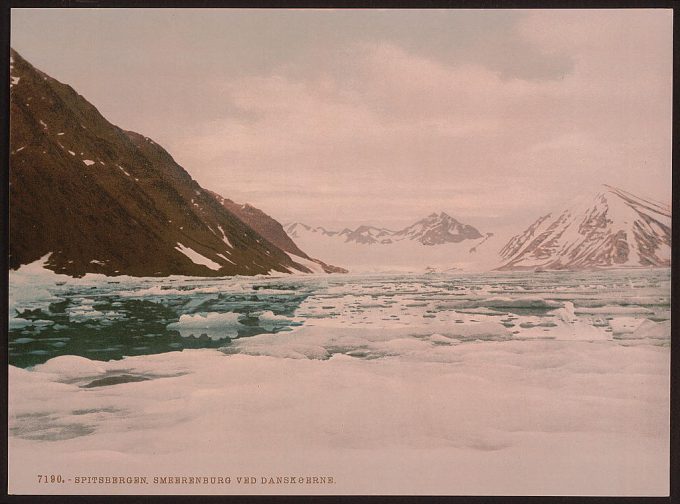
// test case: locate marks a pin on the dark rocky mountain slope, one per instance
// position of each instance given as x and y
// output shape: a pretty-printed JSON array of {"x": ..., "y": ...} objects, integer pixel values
[
  {"x": 272, "y": 230},
  {"x": 98, "y": 199}
]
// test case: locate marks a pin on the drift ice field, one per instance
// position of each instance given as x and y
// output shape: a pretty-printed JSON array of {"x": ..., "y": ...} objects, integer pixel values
[{"x": 496, "y": 383}]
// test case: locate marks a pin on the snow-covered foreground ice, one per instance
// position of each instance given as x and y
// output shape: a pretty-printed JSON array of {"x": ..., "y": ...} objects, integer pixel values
[{"x": 435, "y": 384}]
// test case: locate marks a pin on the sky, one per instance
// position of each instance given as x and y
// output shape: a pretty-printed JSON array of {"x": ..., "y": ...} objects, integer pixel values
[{"x": 348, "y": 117}]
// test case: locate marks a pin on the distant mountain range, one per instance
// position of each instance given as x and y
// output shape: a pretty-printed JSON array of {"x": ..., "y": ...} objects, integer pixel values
[
  {"x": 437, "y": 242},
  {"x": 435, "y": 229},
  {"x": 99, "y": 199},
  {"x": 612, "y": 229},
  {"x": 95, "y": 198}
]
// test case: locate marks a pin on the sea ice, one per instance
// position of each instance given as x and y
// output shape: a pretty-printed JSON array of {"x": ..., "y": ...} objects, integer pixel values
[{"x": 216, "y": 326}]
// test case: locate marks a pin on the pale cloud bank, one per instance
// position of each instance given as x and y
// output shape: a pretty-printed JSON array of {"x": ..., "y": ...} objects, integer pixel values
[{"x": 382, "y": 117}]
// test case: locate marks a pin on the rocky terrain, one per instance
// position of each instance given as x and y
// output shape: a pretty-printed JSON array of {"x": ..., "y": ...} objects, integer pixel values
[
  {"x": 94, "y": 198},
  {"x": 273, "y": 231}
]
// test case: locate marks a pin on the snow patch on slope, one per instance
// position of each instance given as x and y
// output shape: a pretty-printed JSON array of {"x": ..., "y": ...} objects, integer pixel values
[
  {"x": 224, "y": 237},
  {"x": 197, "y": 258},
  {"x": 311, "y": 265}
]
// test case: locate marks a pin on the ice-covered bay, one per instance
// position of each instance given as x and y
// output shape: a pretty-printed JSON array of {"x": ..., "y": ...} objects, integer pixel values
[{"x": 556, "y": 383}]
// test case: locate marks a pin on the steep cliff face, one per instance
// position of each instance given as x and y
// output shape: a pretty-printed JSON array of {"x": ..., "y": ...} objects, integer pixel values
[
  {"x": 98, "y": 199},
  {"x": 612, "y": 229}
]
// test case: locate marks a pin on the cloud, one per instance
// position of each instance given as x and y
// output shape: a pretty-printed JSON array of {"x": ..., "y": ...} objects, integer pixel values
[{"x": 348, "y": 116}]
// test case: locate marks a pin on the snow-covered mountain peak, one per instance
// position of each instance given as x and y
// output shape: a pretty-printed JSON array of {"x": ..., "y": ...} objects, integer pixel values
[
  {"x": 440, "y": 215},
  {"x": 296, "y": 229},
  {"x": 616, "y": 199},
  {"x": 611, "y": 228},
  {"x": 435, "y": 229},
  {"x": 637, "y": 202}
]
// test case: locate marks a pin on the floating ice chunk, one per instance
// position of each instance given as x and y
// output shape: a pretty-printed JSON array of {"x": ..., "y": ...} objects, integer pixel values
[
  {"x": 624, "y": 325},
  {"x": 440, "y": 339},
  {"x": 15, "y": 81},
  {"x": 42, "y": 323},
  {"x": 368, "y": 341},
  {"x": 481, "y": 310},
  {"x": 216, "y": 326},
  {"x": 520, "y": 302},
  {"x": 632, "y": 328},
  {"x": 20, "y": 148},
  {"x": 197, "y": 258},
  {"x": 19, "y": 323},
  {"x": 565, "y": 314},
  {"x": 83, "y": 313},
  {"x": 654, "y": 330},
  {"x": 403, "y": 346},
  {"x": 88, "y": 162},
  {"x": 69, "y": 367},
  {"x": 29, "y": 287},
  {"x": 614, "y": 310},
  {"x": 158, "y": 290},
  {"x": 485, "y": 330},
  {"x": 269, "y": 321},
  {"x": 72, "y": 153},
  {"x": 579, "y": 331},
  {"x": 291, "y": 351},
  {"x": 22, "y": 341}
]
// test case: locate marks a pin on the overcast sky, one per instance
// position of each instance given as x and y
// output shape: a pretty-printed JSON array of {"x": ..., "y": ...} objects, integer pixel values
[{"x": 347, "y": 117}]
